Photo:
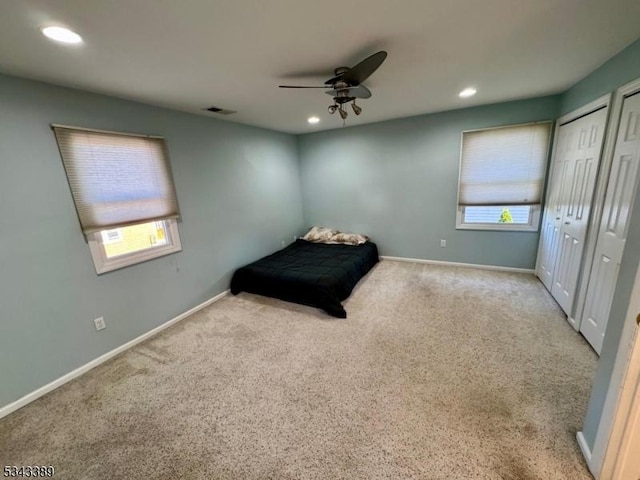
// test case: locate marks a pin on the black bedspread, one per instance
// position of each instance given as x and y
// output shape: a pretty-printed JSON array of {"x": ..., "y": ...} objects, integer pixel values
[{"x": 315, "y": 274}]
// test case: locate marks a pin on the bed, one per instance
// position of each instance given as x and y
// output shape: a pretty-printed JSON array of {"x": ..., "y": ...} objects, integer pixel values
[{"x": 317, "y": 274}]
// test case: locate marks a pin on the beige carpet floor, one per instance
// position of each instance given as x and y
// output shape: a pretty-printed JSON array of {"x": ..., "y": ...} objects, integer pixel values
[{"x": 437, "y": 373}]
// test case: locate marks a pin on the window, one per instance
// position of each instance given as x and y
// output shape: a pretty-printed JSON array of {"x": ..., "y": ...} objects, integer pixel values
[
  {"x": 121, "y": 241},
  {"x": 124, "y": 195},
  {"x": 502, "y": 176},
  {"x": 515, "y": 214}
]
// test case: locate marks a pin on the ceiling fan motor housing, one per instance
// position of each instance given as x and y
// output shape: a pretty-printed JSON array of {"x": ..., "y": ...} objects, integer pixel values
[
  {"x": 341, "y": 100},
  {"x": 342, "y": 94}
]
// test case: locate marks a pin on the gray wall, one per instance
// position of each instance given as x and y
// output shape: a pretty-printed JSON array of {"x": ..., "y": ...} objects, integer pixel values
[
  {"x": 621, "y": 69},
  {"x": 238, "y": 189},
  {"x": 397, "y": 181}
]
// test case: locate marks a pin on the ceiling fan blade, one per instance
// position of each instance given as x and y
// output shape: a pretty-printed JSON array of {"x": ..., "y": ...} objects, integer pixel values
[
  {"x": 359, "y": 91},
  {"x": 298, "y": 86},
  {"x": 364, "y": 69}
]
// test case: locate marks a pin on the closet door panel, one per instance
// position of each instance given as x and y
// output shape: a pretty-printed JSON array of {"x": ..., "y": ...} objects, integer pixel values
[
  {"x": 583, "y": 158},
  {"x": 550, "y": 231},
  {"x": 621, "y": 191}
]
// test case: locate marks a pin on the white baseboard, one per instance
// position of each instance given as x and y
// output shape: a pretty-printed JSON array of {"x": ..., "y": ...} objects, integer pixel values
[
  {"x": 586, "y": 451},
  {"x": 456, "y": 264},
  {"x": 30, "y": 397}
]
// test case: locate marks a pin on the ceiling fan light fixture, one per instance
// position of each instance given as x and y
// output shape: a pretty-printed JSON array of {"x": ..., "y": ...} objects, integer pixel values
[
  {"x": 346, "y": 86},
  {"x": 61, "y": 34},
  {"x": 467, "y": 92}
]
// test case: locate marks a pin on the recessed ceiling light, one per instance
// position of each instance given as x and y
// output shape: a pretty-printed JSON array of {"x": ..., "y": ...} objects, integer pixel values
[
  {"x": 313, "y": 120},
  {"x": 61, "y": 34},
  {"x": 467, "y": 92}
]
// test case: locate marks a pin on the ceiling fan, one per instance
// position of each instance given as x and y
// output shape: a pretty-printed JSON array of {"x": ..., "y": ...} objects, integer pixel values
[{"x": 346, "y": 84}]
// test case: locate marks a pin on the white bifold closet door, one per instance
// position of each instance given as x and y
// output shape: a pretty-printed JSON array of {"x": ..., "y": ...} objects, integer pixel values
[
  {"x": 564, "y": 230},
  {"x": 612, "y": 234},
  {"x": 550, "y": 232}
]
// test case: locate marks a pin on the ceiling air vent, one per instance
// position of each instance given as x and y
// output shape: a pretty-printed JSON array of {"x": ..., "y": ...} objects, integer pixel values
[{"x": 221, "y": 111}]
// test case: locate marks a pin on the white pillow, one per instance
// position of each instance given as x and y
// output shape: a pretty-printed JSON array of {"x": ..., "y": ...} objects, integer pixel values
[
  {"x": 319, "y": 234},
  {"x": 332, "y": 236},
  {"x": 349, "y": 238}
]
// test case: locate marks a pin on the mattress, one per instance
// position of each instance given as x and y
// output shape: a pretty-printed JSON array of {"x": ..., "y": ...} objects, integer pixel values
[{"x": 316, "y": 274}]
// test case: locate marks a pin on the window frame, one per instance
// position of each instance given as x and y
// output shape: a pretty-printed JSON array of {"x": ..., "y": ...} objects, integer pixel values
[
  {"x": 535, "y": 209},
  {"x": 103, "y": 264}
]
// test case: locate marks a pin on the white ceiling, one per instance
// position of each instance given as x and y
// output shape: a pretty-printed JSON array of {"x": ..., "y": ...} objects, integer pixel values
[{"x": 191, "y": 54}]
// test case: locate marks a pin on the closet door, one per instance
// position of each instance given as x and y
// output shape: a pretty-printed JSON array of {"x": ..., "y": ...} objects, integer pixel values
[
  {"x": 583, "y": 159},
  {"x": 550, "y": 232},
  {"x": 619, "y": 198},
  {"x": 568, "y": 205}
]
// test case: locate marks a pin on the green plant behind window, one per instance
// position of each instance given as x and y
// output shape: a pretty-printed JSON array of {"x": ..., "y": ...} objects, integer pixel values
[{"x": 505, "y": 217}]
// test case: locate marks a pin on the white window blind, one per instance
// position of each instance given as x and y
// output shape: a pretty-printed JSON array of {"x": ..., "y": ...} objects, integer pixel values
[
  {"x": 504, "y": 166},
  {"x": 117, "y": 179}
]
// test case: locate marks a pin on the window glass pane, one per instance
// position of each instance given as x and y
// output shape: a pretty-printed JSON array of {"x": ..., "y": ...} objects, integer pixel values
[
  {"x": 111, "y": 236},
  {"x": 515, "y": 214},
  {"x": 124, "y": 240}
]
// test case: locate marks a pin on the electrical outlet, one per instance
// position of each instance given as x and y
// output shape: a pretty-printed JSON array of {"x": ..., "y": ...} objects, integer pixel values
[
  {"x": 283, "y": 244},
  {"x": 443, "y": 243},
  {"x": 100, "y": 325},
  {"x": 295, "y": 237}
]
